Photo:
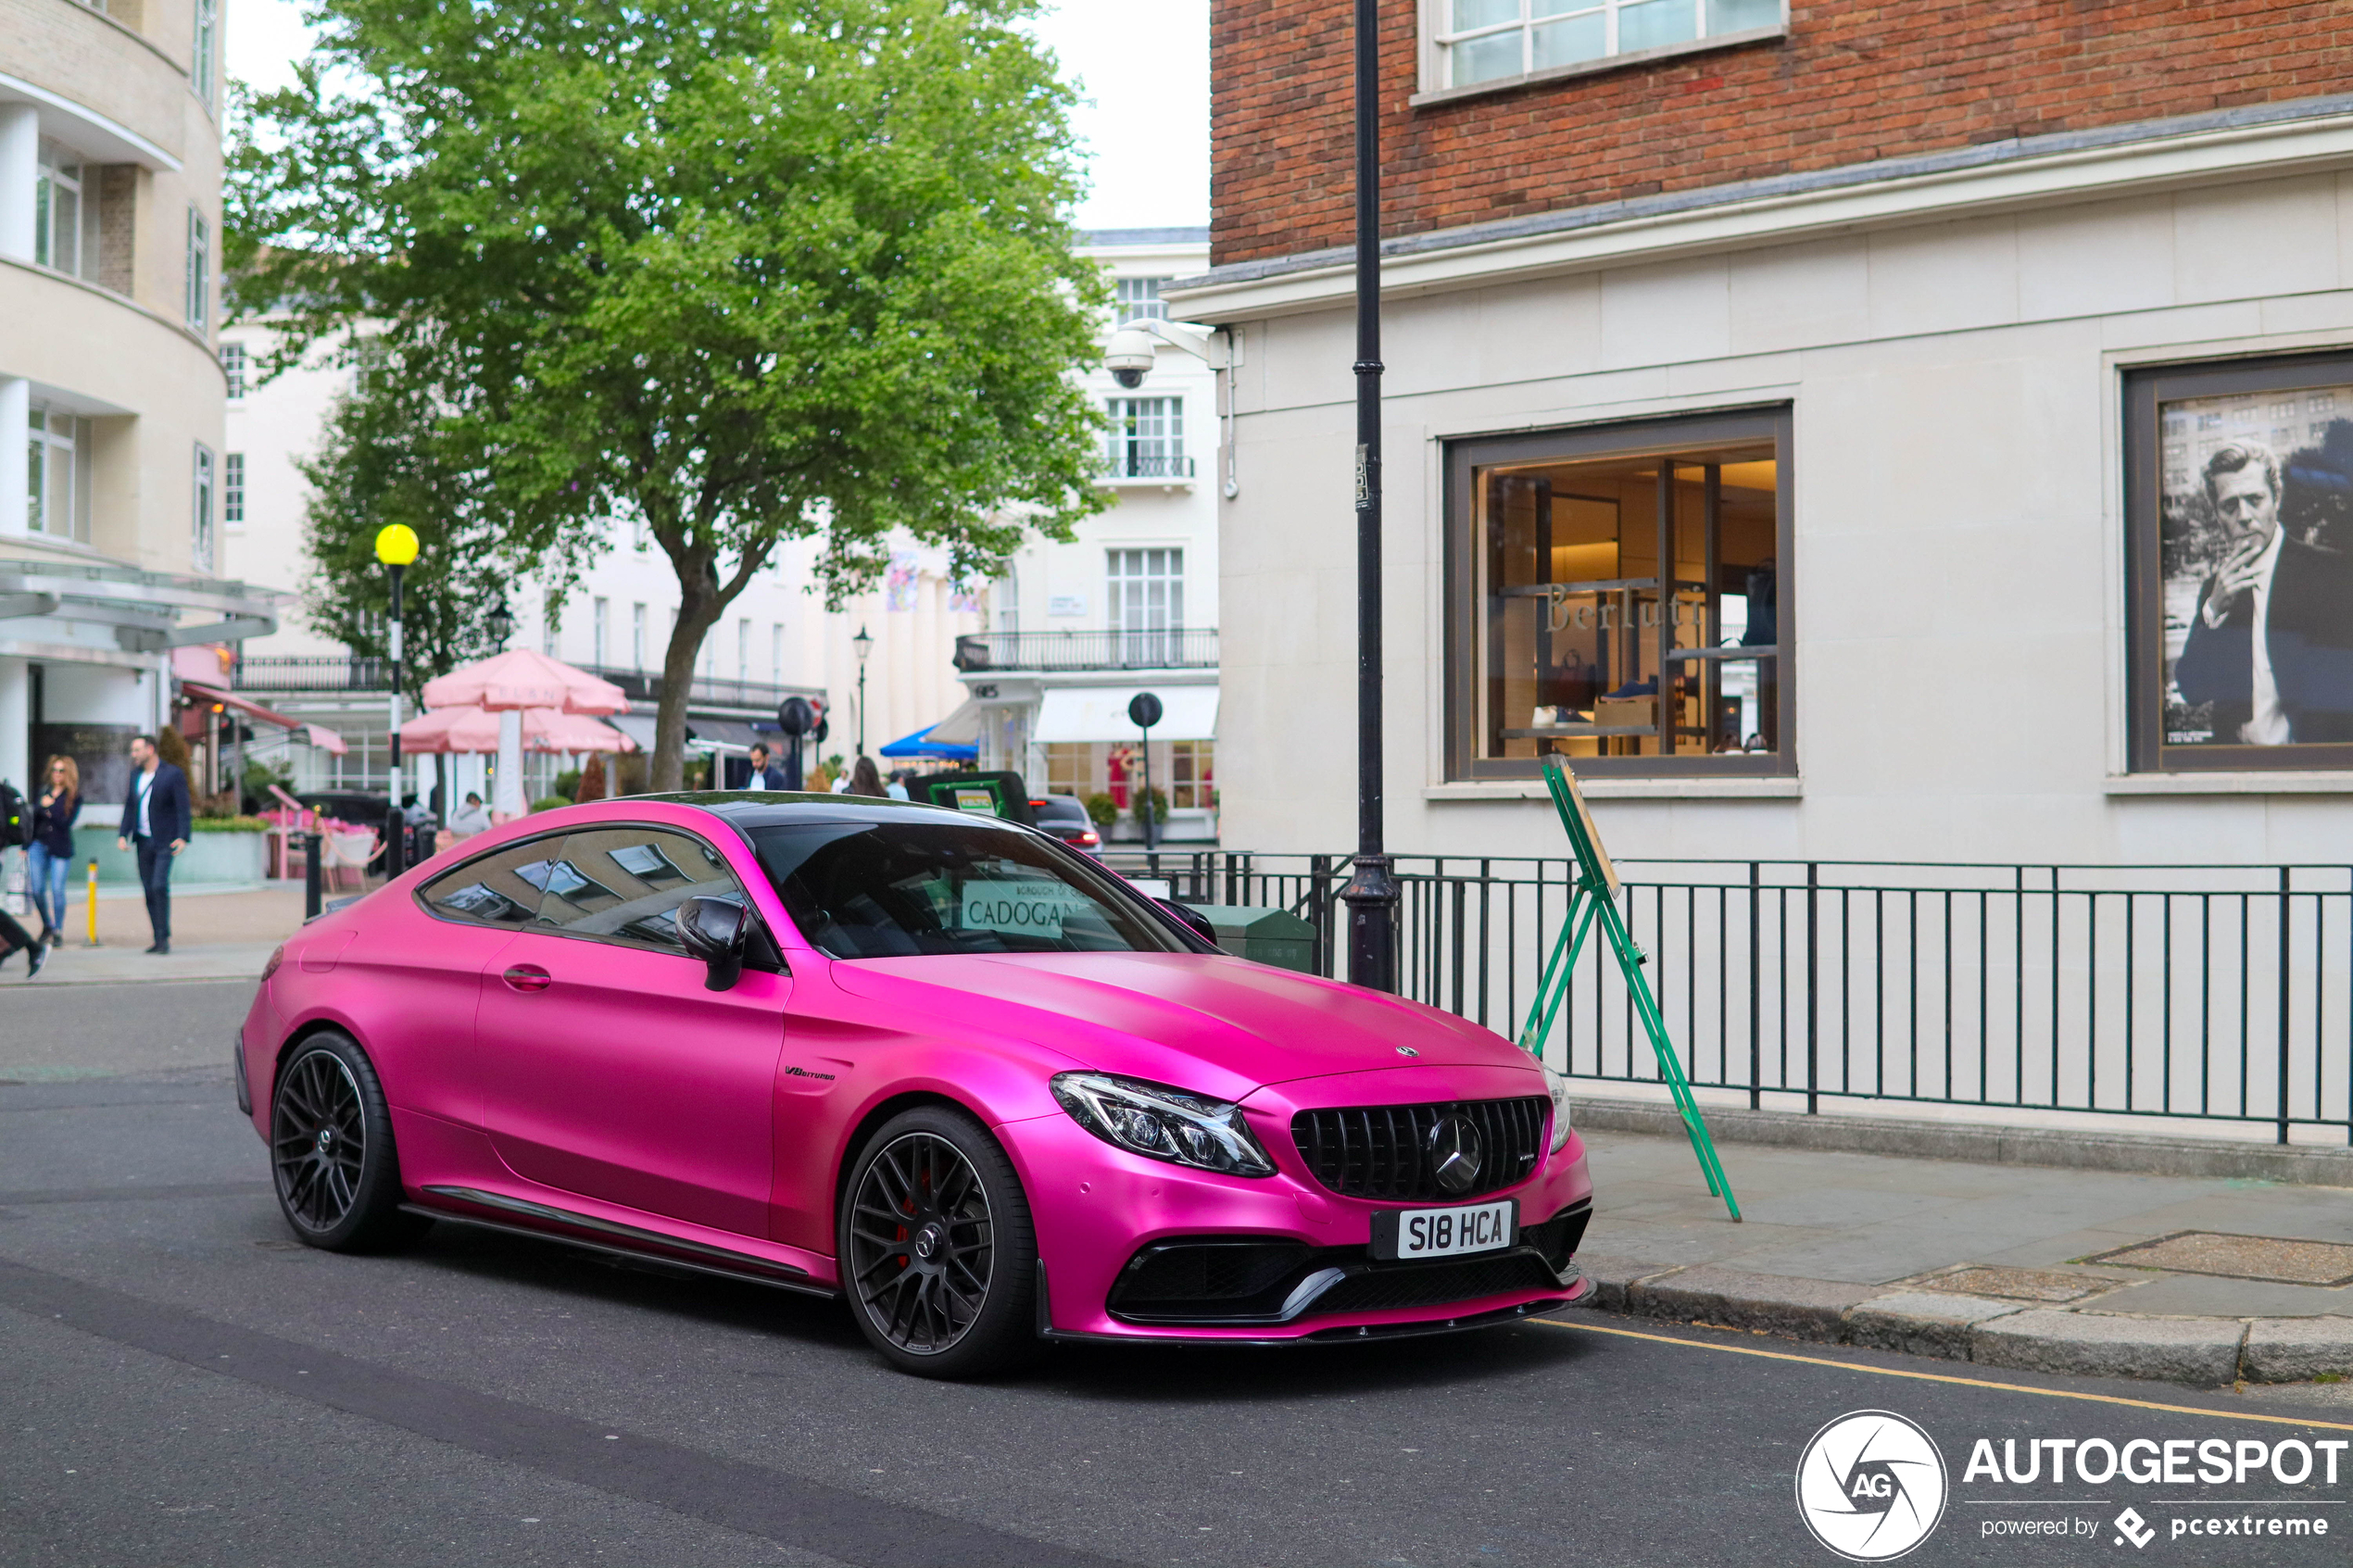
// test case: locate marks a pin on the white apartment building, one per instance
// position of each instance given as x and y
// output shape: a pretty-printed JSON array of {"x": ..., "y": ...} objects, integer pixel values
[
  {"x": 110, "y": 396},
  {"x": 1077, "y": 630}
]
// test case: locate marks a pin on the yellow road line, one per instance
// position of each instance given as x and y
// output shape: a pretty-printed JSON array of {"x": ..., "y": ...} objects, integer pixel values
[{"x": 1942, "y": 1377}]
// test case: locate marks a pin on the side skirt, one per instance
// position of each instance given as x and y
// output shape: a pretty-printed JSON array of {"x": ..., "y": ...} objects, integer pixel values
[{"x": 617, "y": 1240}]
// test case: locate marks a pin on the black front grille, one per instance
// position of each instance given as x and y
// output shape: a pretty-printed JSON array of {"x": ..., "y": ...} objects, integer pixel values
[
  {"x": 1433, "y": 1284},
  {"x": 1381, "y": 1150}
]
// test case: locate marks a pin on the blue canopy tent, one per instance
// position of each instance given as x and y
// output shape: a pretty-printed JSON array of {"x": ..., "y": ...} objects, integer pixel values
[{"x": 919, "y": 745}]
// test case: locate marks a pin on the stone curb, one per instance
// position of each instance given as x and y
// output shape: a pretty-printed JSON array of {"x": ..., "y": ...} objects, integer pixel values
[
  {"x": 2206, "y": 1352},
  {"x": 2059, "y": 1148}
]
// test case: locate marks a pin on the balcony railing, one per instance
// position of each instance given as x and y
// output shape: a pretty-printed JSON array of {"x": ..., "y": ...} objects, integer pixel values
[
  {"x": 1187, "y": 648},
  {"x": 307, "y": 672},
  {"x": 644, "y": 685},
  {"x": 1148, "y": 465},
  {"x": 353, "y": 672}
]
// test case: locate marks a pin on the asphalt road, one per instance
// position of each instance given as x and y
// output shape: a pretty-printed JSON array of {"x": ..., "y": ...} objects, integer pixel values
[{"x": 181, "y": 1383}]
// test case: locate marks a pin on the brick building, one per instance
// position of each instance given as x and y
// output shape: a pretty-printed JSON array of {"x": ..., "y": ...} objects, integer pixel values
[{"x": 1917, "y": 433}]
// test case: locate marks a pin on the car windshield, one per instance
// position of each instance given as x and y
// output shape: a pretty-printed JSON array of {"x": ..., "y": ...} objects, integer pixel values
[{"x": 873, "y": 890}]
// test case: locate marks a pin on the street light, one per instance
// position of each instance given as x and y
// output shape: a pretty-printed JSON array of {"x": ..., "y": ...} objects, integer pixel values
[
  {"x": 500, "y": 622},
  {"x": 1370, "y": 895},
  {"x": 396, "y": 548},
  {"x": 864, "y": 643}
]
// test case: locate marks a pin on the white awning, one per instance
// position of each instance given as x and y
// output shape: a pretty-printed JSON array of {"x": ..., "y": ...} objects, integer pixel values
[
  {"x": 961, "y": 727},
  {"x": 1091, "y": 713}
]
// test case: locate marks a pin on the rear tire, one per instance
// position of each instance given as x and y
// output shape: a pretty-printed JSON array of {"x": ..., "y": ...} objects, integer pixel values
[
  {"x": 938, "y": 1252},
  {"x": 330, "y": 1151}
]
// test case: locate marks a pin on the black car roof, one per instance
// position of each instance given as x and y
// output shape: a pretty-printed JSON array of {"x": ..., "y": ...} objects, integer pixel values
[{"x": 759, "y": 808}]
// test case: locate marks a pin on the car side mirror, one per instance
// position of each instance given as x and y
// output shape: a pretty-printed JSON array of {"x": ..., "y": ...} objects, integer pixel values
[
  {"x": 1193, "y": 920},
  {"x": 716, "y": 931}
]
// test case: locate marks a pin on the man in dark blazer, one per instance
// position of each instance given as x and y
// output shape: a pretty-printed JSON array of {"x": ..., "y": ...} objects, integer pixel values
[
  {"x": 155, "y": 821},
  {"x": 2271, "y": 644}
]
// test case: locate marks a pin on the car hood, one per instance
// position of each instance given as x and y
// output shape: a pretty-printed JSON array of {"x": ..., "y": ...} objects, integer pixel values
[{"x": 1217, "y": 1025}]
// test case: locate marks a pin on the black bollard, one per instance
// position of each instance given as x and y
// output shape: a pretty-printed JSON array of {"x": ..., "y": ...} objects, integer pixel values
[{"x": 310, "y": 883}]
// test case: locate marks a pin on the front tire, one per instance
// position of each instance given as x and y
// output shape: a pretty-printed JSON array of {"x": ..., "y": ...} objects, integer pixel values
[
  {"x": 939, "y": 1253},
  {"x": 331, "y": 1150}
]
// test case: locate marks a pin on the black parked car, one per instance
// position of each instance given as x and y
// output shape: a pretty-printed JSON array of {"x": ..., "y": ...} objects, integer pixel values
[{"x": 1062, "y": 816}]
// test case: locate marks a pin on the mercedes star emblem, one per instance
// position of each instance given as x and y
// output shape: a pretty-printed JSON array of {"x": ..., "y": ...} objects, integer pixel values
[{"x": 1455, "y": 1152}]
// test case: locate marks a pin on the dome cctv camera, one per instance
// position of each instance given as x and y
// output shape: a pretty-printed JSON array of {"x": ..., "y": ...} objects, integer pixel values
[{"x": 1130, "y": 355}]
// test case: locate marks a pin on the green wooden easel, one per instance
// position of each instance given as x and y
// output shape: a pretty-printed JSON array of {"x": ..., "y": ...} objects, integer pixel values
[{"x": 1594, "y": 898}]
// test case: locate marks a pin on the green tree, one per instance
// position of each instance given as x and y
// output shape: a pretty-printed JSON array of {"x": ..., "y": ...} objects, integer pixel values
[
  {"x": 383, "y": 459},
  {"x": 744, "y": 271}
]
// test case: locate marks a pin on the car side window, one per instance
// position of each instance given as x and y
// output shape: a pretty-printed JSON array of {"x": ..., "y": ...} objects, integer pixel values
[
  {"x": 623, "y": 884},
  {"x": 493, "y": 889}
]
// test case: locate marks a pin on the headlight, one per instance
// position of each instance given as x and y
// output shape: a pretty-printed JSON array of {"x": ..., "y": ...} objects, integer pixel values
[
  {"x": 1557, "y": 1086},
  {"x": 1160, "y": 1123}
]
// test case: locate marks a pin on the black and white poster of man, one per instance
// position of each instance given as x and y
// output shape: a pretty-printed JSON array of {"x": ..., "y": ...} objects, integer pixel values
[{"x": 2257, "y": 540}]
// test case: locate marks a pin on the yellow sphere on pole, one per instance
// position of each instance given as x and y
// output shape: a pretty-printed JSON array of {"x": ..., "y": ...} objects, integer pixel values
[{"x": 396, "y": 544}]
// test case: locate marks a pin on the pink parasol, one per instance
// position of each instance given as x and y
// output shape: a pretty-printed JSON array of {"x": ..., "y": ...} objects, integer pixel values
[
  {"x": 521, "y": 679},
  {"x": 476, "y": 730}
]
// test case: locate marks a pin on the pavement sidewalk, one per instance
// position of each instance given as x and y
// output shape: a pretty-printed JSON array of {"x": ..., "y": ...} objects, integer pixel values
[
  {"x": 218, "y": 934},
  {"x": 2007, "y": 1265}
]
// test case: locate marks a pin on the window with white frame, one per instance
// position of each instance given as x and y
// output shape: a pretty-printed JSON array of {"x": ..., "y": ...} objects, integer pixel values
[
  {"x": 1147, "y": 603},
  {"x": 232, "y": 492},
  {"x": 1147, "y": 439},
  {"x": 1005, "y": 598},
  {"x": 743, "y": 649},
  {"x": 636, "y": 636},
  {"x": 233, "y": 364},
  {"x": 1139, "y": 298},
  {"x": 1496, "y": 40},
  {"x": 776, "y": 654},
  {"x": 601, "y": 615},
  {"x": 200, "y": 551},
  {"x": 197, "y": 306},
  {"x": 65, "y": 211},
  {"x": 58, "y": 475},
  {"x": 207, "y": 43}
]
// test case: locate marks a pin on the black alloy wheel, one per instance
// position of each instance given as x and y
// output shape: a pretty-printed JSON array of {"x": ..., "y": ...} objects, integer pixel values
[
  {"x": 939, "y": 1259},
  {"x": 330, "y": 1151}
]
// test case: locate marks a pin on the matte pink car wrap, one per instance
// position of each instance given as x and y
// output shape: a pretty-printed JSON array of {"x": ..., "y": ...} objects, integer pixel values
[{"x": 604, "y": 1093}]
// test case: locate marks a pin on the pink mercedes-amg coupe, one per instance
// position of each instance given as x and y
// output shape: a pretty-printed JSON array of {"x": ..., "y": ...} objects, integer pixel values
[{"x": 935, "y": 1063}]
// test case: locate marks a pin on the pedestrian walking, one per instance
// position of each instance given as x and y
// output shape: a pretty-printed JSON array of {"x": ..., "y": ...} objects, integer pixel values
[
  {"x": 865, "y": 778},
  {"x": 13, "y": 936},
  {"x": 156, "y": 822},
  {"x": 49, "y": 850},
  {"x": 766, "y": 775}
]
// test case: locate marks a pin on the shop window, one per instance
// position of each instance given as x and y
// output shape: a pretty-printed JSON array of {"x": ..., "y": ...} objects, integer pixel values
[
  {"x": 1070, "y": 768},
  {"x": 1192, "y": 773},
  {"x": 1618, "y": 595},
  {"x": 2239, "y": 503}
]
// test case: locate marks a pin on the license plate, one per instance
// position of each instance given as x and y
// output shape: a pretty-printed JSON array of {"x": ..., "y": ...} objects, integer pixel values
[{"x": 1445, "y": 1233}]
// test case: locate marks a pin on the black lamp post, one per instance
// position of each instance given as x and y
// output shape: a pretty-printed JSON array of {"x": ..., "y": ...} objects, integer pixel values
[
  {"x": 1371, "y": 895},
  {"x": 864, "y": 643},
  {"x": 500, "y": 623},
  {"x": 395, "y": 547}
]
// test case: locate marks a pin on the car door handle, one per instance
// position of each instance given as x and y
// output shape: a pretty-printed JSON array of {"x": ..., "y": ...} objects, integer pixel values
[{"x": 528, "y": 977}]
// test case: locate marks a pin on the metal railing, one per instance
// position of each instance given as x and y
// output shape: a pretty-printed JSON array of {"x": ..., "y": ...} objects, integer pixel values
[
  {"x": 2214, "y": 993},
  {"x": 1148, "y": 465},
  {"x": 644, "y": 685},
  {"x": 1177, "y": 649},
  {"x": 307, "y": 673}
]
